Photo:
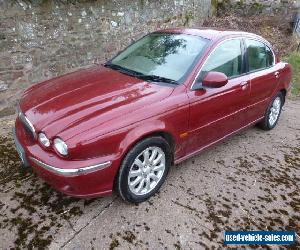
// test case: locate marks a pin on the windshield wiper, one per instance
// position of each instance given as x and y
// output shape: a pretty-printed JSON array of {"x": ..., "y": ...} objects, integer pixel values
[
  {"x": 155, "y": 78},
  {"x": 130, "y": 72},
  {"x": 122, "y": 69}
]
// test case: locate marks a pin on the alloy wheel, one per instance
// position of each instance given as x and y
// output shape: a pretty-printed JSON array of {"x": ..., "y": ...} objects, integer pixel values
[
  {"x": 147, "y": 170},
  {"x": 275, "y": 111}
]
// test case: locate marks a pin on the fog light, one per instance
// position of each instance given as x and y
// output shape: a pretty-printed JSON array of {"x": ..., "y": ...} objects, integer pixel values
[{"x": 44, "y": 140}]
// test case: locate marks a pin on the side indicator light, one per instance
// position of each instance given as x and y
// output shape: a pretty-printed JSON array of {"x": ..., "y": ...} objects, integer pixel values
[{"x": 183, "y": 135}]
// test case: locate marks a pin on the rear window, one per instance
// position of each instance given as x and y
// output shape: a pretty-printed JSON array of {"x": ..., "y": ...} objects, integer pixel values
[{"x": 260, "y": 56}]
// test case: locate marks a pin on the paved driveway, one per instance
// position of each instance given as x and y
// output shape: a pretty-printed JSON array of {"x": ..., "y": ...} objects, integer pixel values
[{"x": 249, "y": 182}]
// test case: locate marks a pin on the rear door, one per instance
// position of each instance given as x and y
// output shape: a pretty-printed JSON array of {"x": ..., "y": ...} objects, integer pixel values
[{"x": 264, "y": 75}]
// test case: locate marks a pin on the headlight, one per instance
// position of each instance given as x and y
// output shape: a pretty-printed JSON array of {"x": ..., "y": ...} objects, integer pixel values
[
  {"x": 44, "y": 140},
  {"x": 61, "y": 146}
]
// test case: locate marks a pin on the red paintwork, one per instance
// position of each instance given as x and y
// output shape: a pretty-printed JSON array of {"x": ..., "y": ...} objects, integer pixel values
[{"x": 101, "y": 113}]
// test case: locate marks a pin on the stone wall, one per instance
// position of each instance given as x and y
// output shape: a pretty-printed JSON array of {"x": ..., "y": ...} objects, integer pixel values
[
  {"x": 40, "y": 39},
  {"x": 284, "y": 8}
]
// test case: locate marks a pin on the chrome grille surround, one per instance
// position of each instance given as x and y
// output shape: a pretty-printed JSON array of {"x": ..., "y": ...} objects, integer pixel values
[{"x": 26, "y": 123}]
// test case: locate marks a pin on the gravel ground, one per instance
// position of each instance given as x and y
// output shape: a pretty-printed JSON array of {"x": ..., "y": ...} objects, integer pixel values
[{"x": 249, "y": 182}]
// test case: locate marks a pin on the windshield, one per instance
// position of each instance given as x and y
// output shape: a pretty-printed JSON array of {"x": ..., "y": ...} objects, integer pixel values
[{"x": 162, "y": 55}]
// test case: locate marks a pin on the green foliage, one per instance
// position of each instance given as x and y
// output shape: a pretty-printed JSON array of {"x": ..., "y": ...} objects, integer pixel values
[
  {"x": 214, "y": 4},
  {"x": 188, "y": 17},
  {"x": 142, "y": 3},
  {"x": 257, "y": 7},
  {"x": 294, "y": 59}
]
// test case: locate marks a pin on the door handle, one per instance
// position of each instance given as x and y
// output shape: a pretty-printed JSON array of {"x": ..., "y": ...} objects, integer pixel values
[
  {"x": 244, "y": 85},
  {"x": 276, "y": 74}
]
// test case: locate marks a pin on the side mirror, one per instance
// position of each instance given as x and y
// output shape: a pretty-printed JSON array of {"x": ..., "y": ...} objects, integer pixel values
[{"x": 214, "y": 79}]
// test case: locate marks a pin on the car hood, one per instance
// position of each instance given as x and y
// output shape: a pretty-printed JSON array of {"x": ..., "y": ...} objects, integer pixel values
[{"x": 86, "y": 99}]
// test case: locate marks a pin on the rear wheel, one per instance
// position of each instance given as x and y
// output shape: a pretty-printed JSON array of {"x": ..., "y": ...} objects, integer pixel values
[
  {"x": 144, "y": 169},
  {"x": 273, "y": 113}
]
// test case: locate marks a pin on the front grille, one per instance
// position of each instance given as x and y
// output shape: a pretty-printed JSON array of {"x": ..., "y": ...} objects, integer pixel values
[{"x": 27, "y": 124}]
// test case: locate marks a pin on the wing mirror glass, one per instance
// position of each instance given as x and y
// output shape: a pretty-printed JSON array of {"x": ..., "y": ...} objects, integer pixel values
[{"x": 214, "y": 79}]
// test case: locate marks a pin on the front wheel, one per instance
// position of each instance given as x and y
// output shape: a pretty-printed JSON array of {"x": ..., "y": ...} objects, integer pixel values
[
  {"x": 273, "y": 113},
  {"x": 144, "y": 169}
]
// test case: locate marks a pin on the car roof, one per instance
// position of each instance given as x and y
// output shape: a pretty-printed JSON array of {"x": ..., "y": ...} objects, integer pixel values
[{"x": 211, "y": 33}]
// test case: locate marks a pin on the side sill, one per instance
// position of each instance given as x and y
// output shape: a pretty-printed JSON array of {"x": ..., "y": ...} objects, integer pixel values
[{"x": 177, "y": 161}]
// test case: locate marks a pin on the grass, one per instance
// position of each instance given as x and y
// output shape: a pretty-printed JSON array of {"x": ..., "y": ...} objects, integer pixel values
[{"x": 294, "y": 59}]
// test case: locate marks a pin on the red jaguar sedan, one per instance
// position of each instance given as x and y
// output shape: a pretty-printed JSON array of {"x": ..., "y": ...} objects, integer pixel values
[{"x": 165, "y": 98}]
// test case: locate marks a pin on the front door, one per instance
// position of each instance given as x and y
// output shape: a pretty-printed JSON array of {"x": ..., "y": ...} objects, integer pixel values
[{"x": 217, "y": 112}]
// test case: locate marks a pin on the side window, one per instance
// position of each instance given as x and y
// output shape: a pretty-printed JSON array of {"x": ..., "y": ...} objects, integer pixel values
[
  {"x": 260, "y": 56},
  {"x": 226, "y": 58}
]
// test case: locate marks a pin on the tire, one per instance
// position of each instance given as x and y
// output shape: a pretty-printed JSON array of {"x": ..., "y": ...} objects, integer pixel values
[
  {"x": 272, "y": 113},
  {"x": 136, "y": 181}
]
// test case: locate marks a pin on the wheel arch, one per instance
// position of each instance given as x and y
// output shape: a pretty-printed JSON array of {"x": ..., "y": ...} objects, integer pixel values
[
  {"x": 161, "y": 133},
  {"x": 284, "y": 92},
  {"x": 142, "y": 136}
]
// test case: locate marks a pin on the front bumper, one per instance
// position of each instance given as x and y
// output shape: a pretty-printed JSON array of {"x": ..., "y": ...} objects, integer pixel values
[
  {"x": 71, "y": 171},
  {"x": 83, "y": 179}
]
